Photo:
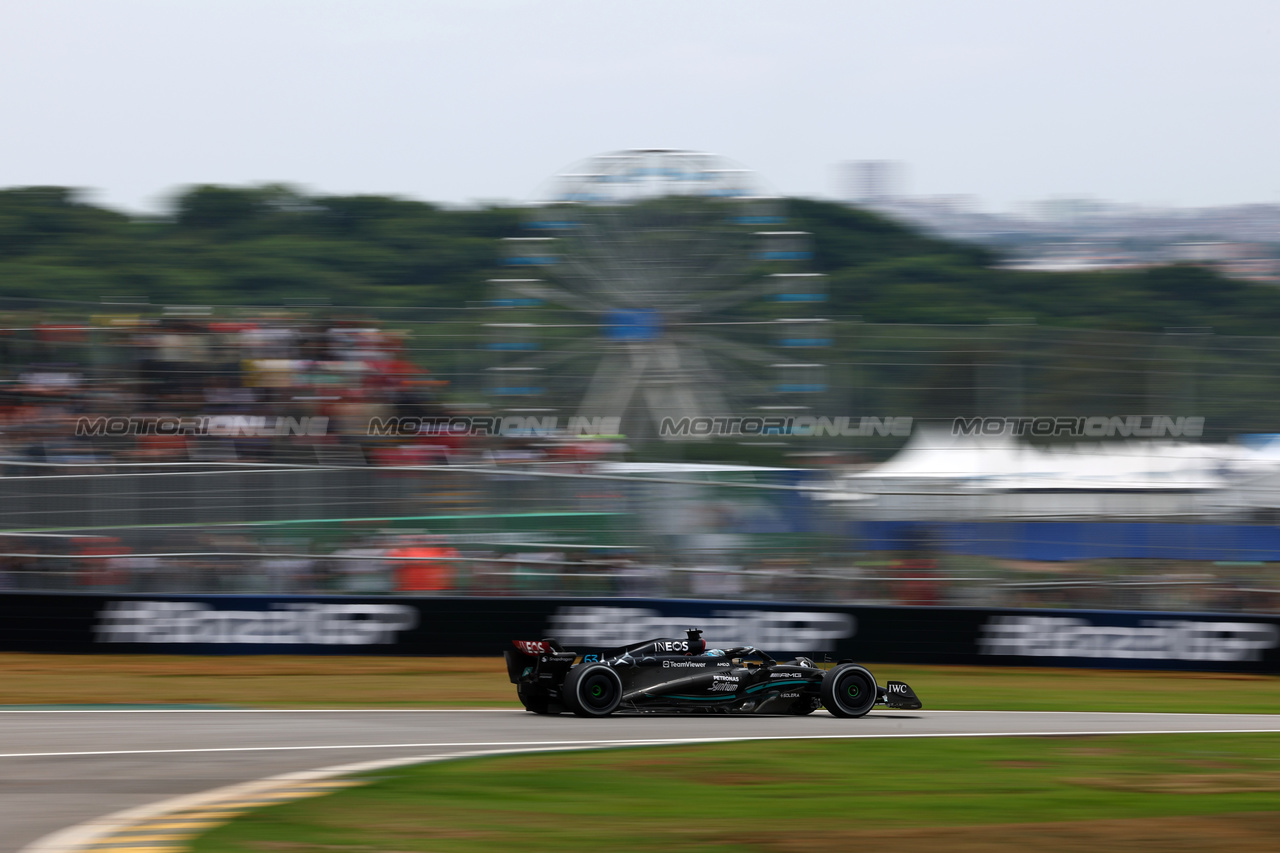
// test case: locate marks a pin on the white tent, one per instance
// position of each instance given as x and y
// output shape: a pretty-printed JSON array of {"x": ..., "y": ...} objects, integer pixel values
[{"x": 942, "y": 476}]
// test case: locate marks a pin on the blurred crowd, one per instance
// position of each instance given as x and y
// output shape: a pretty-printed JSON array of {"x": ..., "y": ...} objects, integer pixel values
[
  {"x": 277, "y": 367},
  {"x": 398, "y": 563}
]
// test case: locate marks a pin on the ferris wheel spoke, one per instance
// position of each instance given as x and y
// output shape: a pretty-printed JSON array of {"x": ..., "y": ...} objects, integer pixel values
[
  {"x": 614, "y": 273},
  {"x": 549, "y": 359},
  {"x": 731, "y": 267},
  {"x": 734, "y": 349},
  {"x": 613, "y": 385},
  {"x": 686, "y": 384},
  {"x": 724, "y": 300},
  {"x": 577, "y": 276},
  {"x": 559, "y": 296}
]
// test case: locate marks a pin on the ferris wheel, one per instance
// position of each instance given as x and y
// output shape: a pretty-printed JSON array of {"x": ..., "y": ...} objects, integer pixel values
[{"x": 656, "y": 284}]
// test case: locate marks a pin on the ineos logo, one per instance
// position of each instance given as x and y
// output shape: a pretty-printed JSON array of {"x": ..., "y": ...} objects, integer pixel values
[{"x": 672, "y": 646}]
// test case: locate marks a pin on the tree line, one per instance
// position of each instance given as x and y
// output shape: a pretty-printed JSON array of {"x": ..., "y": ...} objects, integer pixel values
[{"x": 271, "y": 244}]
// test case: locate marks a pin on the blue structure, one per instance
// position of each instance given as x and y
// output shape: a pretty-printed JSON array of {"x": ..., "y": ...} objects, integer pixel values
[
  {"x": 640, "y": 324},
  {"x": 1061, "y": 541}
]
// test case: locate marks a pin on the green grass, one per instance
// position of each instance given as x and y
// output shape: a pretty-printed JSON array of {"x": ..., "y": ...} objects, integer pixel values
[{"x": 798, "y": 795}]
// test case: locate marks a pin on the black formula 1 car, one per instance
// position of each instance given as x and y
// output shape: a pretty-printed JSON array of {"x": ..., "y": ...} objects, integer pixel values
[{"x": 683, "y": 675}]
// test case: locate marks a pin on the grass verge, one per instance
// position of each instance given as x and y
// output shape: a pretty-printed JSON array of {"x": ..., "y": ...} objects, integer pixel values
[
  {"x": 1186, "y": 792},
  {"x": 267, "y": 681},
  {"x": 390, "y": 682}
]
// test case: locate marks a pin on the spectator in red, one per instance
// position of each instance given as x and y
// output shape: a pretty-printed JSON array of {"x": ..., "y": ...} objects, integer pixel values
[{"x": 424, "y": 565}]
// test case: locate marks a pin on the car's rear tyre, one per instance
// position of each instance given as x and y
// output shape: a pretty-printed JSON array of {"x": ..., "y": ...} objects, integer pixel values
[
  {"x": 849, "y": 690},
  {"x": 592, "y": 690}
]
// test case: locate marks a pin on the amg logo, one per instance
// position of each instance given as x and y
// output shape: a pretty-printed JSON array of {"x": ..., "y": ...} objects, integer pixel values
[
  {"x": 288, "y": 624},
  {"x": 1154, "y": 639},
  {"x": 769, "y": 629}
]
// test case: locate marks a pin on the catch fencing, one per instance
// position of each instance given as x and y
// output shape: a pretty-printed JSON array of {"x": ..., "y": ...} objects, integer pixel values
[{"x": 577, "y": 529}]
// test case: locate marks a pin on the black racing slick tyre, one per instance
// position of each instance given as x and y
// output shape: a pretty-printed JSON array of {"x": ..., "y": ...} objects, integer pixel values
[
  {"x": 592, "y": 690},
  {"x": 849, "y": 690}
]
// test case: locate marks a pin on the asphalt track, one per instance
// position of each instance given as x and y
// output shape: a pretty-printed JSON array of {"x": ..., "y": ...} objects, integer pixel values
[{"x": 61, "y": 767}]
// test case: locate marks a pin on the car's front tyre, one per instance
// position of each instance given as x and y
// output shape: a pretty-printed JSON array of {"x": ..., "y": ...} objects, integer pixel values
[
  {"x": 593, "y": 690},
  {"x": 849, "y": 690}
]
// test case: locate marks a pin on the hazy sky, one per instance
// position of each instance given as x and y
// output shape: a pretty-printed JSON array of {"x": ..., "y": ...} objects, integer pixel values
[{"x": 1161, "y": 102}]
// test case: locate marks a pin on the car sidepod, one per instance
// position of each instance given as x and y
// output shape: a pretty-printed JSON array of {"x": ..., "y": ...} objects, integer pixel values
[{"x": 715, "y": 685}]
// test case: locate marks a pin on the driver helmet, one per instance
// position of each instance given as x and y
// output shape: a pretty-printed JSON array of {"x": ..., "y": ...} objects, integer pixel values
[{"x": 714, "y": 653}]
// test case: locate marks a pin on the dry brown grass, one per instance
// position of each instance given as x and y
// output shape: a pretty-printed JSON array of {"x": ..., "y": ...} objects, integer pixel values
[{"x": 265, "y": 681}]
